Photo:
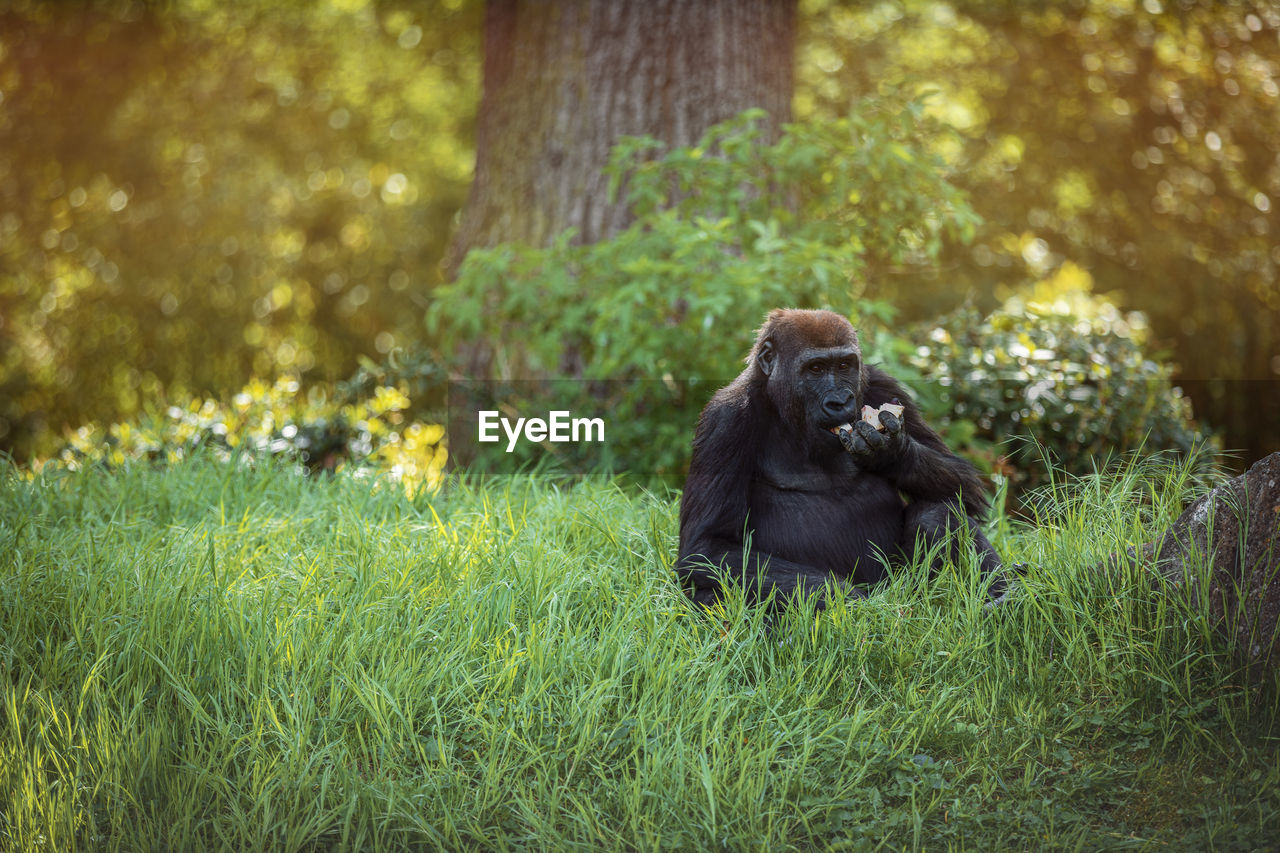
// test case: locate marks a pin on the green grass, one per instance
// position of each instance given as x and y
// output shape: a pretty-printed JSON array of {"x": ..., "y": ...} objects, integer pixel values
[{"x": 218, "y": 658}]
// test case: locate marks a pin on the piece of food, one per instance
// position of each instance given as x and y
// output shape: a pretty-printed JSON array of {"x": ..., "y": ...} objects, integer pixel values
[{"x": 872, "y": 415}]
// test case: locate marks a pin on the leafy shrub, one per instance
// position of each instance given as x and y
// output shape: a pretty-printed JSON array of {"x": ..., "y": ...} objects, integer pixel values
[
  {"x": 369, "y": 429},
  {"x": 1058, "y": 371},
  {"x": 661, "y": 314}
]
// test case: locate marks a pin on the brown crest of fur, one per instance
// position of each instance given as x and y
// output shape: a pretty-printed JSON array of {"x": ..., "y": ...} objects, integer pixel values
[{"x": 818, "y": 329}]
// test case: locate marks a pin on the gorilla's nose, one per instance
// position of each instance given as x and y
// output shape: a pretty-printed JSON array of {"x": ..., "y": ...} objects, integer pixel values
[{"x": 835, "y": 404}]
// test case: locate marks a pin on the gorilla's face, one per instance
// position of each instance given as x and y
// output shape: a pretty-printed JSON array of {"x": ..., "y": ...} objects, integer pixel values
[{"x": 813, "y": 376}]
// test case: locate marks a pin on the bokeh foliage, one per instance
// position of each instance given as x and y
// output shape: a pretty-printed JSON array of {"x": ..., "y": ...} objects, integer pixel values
[
  {"x": 1137, "y": 140},
  {"x": 730, "y": 225},
  {"x": 193, "y": 194},
  {"x": 196, "y": 193}
]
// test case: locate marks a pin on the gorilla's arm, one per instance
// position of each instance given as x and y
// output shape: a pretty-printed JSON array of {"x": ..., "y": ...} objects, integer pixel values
[
  {"x": 713, "y": 508},
  {"x": 926, "y": 468}
]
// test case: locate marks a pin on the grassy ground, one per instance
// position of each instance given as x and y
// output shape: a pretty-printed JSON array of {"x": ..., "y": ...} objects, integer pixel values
[{"x": 207, "y": 658}]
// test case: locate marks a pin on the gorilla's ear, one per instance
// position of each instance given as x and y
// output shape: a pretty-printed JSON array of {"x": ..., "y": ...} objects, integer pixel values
[{"x": 766, "y": 357}]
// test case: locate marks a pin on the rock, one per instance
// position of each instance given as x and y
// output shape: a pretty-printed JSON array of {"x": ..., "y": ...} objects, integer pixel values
[{"x": 1233, "y": 531}]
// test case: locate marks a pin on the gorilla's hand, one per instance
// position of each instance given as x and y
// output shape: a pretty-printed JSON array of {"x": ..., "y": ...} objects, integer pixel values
[{"x": 875, "y": 450}]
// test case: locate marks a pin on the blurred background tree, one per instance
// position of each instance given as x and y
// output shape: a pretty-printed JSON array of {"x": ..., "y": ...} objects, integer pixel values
[
  {"x": 565, "y": 81},
  {"x": 193, "y": 194}
]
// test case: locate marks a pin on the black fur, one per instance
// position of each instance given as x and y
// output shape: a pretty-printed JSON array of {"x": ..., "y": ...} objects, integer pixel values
[{"x": 818, "y": 508}]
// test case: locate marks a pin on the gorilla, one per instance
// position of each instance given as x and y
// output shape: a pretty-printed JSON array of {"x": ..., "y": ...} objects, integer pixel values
[{"x": 789, "y": 490}]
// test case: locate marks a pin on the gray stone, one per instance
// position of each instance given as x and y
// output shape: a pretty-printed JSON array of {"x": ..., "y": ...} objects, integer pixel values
[{"x": 1228, "y": 540}]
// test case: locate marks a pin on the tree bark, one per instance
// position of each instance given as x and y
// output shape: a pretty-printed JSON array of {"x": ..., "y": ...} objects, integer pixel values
[{"x": 565, "y": 79}]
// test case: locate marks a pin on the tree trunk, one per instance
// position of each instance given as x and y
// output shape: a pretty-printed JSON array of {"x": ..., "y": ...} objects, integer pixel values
[{"x": 565, "y": 79}]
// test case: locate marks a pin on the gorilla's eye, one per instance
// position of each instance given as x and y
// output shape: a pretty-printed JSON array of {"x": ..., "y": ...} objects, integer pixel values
[
  {"x": 844, "y": 365},
  {"x": 816, "y": 368}
]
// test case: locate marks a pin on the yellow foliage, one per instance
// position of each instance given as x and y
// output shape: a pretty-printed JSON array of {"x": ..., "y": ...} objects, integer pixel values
[{"x": 272, "y": 419}]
